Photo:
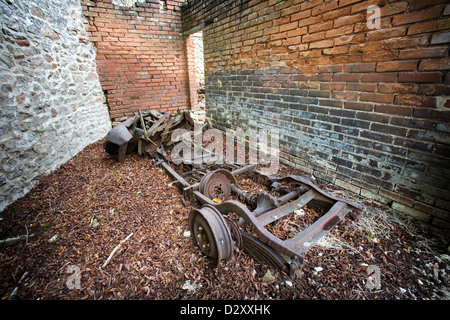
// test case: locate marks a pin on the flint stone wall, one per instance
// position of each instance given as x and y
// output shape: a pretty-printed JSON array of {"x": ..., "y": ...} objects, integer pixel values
[{"x": 52, "y": 104}]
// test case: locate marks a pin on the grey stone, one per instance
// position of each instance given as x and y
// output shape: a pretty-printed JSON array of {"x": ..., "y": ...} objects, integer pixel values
[{"x": 46, "y": 117}]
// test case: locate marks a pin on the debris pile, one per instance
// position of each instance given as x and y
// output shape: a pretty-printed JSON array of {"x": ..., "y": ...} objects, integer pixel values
[{"x": 149, "y": 132}]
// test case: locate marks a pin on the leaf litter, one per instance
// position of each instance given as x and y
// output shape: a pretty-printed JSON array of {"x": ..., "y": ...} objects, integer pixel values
[{"x": 91, "y": 204}]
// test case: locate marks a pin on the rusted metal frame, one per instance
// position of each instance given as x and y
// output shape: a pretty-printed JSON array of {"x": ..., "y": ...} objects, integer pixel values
[
  {"x": 278, "y": 213},
  {"x": 293, "y": 247},
  {"x": 303, "y": 240},
  {"x": 291, "y": 195},
  {"x": 173, "y": 174},
  {"x": 296, "y": 246},
  {"x": 322, "y": 194},
  {"x": 264, "y": 235},
  {"x": 243, "y": 169}
]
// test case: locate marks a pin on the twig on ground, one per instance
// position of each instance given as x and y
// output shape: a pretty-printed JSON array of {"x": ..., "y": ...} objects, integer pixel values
[
  {"x": 13, "y": 240},
  {"x": 117, "y": 248},
  {"x": 14, "y": 292}
]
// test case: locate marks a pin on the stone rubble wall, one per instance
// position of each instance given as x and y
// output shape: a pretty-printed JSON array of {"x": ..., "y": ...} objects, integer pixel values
[
  {"x": 52, "y": 104},
  {"x": 198, "y": 56}
]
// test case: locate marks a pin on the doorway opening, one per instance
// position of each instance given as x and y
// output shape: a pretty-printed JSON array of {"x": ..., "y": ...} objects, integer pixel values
[{"x": 196, "y": 70}]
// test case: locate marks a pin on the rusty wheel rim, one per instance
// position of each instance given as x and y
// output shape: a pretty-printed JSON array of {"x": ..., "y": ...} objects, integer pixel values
[
  {"x": 215, "y": 185},
  {"x": 211, "y": 234}
]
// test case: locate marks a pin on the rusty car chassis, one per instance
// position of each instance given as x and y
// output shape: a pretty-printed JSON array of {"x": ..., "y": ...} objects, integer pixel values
[{"x": 219, "y": 224}]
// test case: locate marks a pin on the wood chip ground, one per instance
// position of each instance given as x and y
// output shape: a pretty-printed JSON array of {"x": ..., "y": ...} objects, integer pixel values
[{"x": 83, "y": 210}]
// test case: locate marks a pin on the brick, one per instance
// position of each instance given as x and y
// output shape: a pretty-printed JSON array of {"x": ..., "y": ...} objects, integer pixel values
[
  {"x": 440, "y": 38},
  {"x": 434, "y": 64},
  {"x": 297, "y": 32},
  {"x": 343, "y": 3},
  {"x": 397, "y": 88},
  {"x": 350, "y": 38},
  {"x": 379, "y": 77},
  {"x": 345, "y": 95},
  {"x": 326, "y": 7},
  {"x": 405, "y": 42},
  {"x": 434, "y": 90},
  {"x": 391, "y": 109},
  {"x": 355, "y": 123},
  {"x": 371, "y": 195},
  {"x": 309, "y": 21},
  {"x": 334, "y": 14},
  {"x": 321, "y": 44},
  {"x": 365, "y": 4},
  {"x": 420, "y": 4},
  {"x": 360, "y": 67},
  {"x": 311, "y": 4},
  {"x": 390, "y": 9},
  {"x": 313, "y": 37},
  {"x": 386, "y": 55},
  {"x": 389, "y": 66},
  {"x": 417, "y": 16},
  {"x": 386, "y": 33},
  {"x": 335, "y": 50},
  {"x": 370, "y": 116},
  {"x": 411, "y": 144},
  {"x": 281, "y": 21},
  {"x": 346, "y": 77},
  {"x": 430, "y": 26},
  {"x": 321, "y": 27},
  {"x": 288, "y": 26},
  {"x": 358, "y": 106},
  {"x": 330, "y": 69},
  {"x": 365, "y": 87},
  {"x": 369, "y": 47},
  {"x": 349, "y": 20},
  {"x": 423, "y": 53},
  {"x": 376, "y": 181},
  {"x": 415, "y": 100},
  {"x": 419, "y": 77},
  {"x": 336, "y": 32},
  {"x": 393, "y": 195},
  {"x": 377, "y": 97},
  {"x": 389, "y": 129},
  {"x": 301, "y": 15},
  {"x": 411, "y": 212}
]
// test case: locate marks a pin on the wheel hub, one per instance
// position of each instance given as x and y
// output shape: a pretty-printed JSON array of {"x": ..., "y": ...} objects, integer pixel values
[{"x": 211, "y": 233}]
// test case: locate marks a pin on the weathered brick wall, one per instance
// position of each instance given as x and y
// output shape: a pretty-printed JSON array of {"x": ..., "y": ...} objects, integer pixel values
[
  {"x": 366, "y": 109},
  {"x": 140, "y": 55}
]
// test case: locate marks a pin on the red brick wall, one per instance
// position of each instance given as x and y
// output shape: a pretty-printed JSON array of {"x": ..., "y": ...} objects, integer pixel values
[
  {"x": 140, "y": 55},
  {"x": 366, "y": 109}
]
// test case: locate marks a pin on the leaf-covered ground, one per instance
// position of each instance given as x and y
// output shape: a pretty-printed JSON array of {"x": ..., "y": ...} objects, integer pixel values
[{"x": 76, "y": 216}]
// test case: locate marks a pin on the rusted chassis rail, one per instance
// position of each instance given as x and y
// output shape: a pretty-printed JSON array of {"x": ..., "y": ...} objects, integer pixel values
[{"x": 222, "y": 235}]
